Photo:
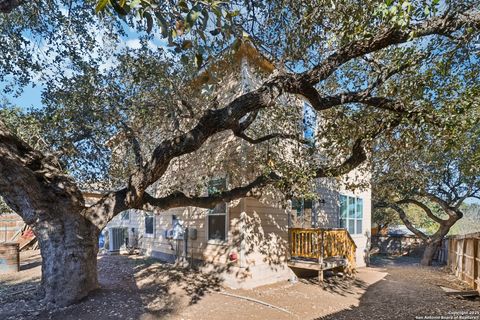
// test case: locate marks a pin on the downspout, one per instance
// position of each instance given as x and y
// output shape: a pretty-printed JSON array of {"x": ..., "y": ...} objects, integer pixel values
[
  {"x": 243, "y": 216},
  {"x": 245, "y": 83}
]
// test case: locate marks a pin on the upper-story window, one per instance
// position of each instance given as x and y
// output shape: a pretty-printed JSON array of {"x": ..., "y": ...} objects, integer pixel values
[
  {"x": 309, "y": 122},
  {"x": 217, "y": 217},
  {"x": 351, "y": 214},
  {"x": 125, "y": 215}
]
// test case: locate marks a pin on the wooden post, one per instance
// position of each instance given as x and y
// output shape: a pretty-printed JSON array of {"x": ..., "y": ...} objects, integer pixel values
[
  {"x": 320, "y": 258},
  {"x": 464, "y": 258},
  {"x": 460, "y": 258},
  {"x": 243, "y": 218},
  {"x": 476, "y": 256}
]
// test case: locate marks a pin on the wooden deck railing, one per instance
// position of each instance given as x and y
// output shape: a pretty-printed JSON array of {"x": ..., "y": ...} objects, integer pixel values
[{"x": 322, "y": 243}]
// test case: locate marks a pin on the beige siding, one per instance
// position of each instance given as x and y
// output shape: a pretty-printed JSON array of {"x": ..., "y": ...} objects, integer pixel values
[{"x": 264, "y": 246}]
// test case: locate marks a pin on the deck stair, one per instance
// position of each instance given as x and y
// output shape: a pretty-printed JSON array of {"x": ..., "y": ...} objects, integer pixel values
[{"x": 321, "y": 249}]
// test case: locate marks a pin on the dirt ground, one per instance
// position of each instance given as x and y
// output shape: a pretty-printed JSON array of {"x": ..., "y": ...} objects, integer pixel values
[{"x": 134, "y": 287}]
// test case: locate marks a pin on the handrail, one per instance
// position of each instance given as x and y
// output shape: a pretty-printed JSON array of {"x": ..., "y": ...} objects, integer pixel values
[
  {"x": 322, "y": 243},
  {"x": 351, "y": 239}
]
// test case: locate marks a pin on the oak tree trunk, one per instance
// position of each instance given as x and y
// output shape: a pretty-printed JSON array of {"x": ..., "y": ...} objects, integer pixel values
[
  {"x": 429, "y": 253},
  {"x": 69, "y": 248},
  {"x": 435, "y": 241}
]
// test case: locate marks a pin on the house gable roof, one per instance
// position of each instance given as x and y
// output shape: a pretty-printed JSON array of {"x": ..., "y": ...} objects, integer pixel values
[{"x": 239, "y": 50}]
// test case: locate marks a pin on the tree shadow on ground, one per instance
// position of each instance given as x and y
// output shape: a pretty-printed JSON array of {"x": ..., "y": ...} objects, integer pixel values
[
  {"x": 382, "y": 261},
  {"x": 141, "y": 288},
  {"x": 409, "y": 291},
  {"x": 340, "y": 285},
  {"x": 20, "y": 291},
  {"x": 131, "y": 287},
  {"x": 174, "y": 278},
  {"x": 137, "y": 287}
]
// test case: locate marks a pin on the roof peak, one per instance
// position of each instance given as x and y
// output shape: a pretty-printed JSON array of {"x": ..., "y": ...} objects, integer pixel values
[{"x": 242, "y": 47}]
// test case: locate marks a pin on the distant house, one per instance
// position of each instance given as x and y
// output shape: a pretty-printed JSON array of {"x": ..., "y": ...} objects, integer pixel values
[
  {"x": 402, "y": 230},
  {"x": 252, "y": 241}
]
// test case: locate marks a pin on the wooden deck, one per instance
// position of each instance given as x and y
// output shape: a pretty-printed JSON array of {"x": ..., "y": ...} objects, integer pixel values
[
  {"x": 321, "y": 249},
  {"x": 328, "y": 263}
]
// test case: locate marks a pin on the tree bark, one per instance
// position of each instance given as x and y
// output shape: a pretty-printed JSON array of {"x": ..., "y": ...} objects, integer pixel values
[
  {"x": 69, "y": 248},
  {"x": 429, "y": 253}
]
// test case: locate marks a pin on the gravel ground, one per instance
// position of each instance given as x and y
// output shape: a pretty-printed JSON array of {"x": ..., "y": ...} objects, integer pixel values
[
  {"x": 134, "y": 287},
  {"x": 410, "y": 291}
]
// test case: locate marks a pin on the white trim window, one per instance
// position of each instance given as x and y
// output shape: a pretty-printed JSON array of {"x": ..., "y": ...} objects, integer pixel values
[
  {"x": 351, "y": 214},
  {"x": 149, "y": 227},
  {"x": 217, "y": 218}
]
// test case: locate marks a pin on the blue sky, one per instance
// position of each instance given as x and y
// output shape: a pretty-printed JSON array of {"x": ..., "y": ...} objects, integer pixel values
[{"x": 30, "y": 97}]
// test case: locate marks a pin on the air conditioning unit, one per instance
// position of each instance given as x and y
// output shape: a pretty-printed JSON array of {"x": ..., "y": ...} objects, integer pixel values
[{"x": 176, "y": 233}]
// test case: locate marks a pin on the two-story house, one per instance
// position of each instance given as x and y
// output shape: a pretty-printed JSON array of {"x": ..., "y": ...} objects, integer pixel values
[{"x": 251, "y": 241}]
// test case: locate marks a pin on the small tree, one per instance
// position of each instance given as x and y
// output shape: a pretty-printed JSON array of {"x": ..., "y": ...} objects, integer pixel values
[{"x": 435, "y": 174}]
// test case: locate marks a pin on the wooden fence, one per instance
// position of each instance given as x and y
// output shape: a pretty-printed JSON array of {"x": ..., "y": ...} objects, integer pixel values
[
  {"x": 464, "y": 258},
  {"x": 397, "y": 244},
  {"x": 11, "y": 225}
]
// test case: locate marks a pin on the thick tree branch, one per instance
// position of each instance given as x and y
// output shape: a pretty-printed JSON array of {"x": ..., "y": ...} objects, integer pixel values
[
  {"x": 424, "y": 208},
  {"x": 246, "y": 121},
  {"x": 391, "y": 36},
  {"x": 214, "y": 121},
  {"x": 268, "y": 137},
  {"x": 358, "y": 154},
  {"x": 357, "y": 157},
  {"x": 179, "y": 199},
  {"x": 29, "y": 182},
  {"x": 324, "y": 102},
  {"x": 386, "y": 37},
  {"x": 406, "y": 221},
  {"x": 451, "y": 210}
]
